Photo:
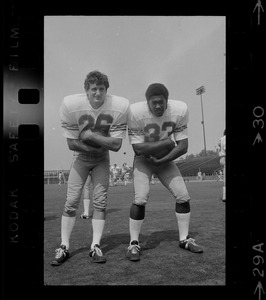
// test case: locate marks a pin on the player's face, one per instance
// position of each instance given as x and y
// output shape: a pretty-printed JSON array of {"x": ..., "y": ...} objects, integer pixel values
[
  {"x": 96, "y": 94},
  {"x": 157, "y": 105}
]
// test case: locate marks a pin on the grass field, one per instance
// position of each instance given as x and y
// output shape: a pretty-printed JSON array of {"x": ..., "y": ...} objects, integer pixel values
[{"x": 162, "y": 261}]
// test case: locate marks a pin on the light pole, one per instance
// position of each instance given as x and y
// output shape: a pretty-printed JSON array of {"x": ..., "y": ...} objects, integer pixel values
[{"x": 200, "y": 91}]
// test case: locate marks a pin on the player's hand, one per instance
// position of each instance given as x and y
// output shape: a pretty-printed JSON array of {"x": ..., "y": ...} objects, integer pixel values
[
  {"x": 155, "y": 161},
  {"x": 86, "y": 135},
  {"x": 86, "y": 138}
]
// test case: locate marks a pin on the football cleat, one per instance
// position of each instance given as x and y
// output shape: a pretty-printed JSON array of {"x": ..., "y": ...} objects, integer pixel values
[
  {"x": 190, "y": 245},
  {"x": 61, "y": 255},
  {"x": 97, "y": 255},
  {"x": 84, "y": 216},
  {"x": 133, "y": 251}
]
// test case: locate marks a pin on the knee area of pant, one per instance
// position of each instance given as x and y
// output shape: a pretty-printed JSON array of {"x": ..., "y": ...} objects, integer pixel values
[
  {"x": 182, "y": 208},
  {"x": 140, "y": 201},
  {"x": 67, "y": 213},
  {"x": 137, "y": 212},
  {"x": 99, "y": 208}
]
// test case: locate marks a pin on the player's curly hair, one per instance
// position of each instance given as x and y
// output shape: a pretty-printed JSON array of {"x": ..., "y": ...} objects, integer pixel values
[
  {"x": 97, "y": 78},
  {"x": 156, "y": 89}
]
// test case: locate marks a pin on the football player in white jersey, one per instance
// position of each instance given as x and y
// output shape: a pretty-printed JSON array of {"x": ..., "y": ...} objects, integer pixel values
[
  {"x": 125, "y": 173},
  {"x": 154, "y": 126},
  {"x": 115, "y": 170},
  {"x": 222, "y": 154},
  {"x": 60, "y": 178},
  {"x": 93, "y": 124}
]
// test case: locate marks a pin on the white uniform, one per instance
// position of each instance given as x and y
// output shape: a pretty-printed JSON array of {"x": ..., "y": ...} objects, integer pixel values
[
  {"x": 221, "y": 145},
  {"x": 125, "y": 173},
  {"x": 143, "y": 126},
  {"x": 76, "y": 113},
  {"x": 60, "y": 177},
  {"x": 114, "y": 170},
  {"x": 199, "y": 176},
  {"x": 222, "y": 153}
]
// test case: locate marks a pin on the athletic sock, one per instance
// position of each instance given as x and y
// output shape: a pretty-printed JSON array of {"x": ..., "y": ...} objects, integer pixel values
[
  {"x": 183, "y": 224},
  {"x": 134, "y": 229},
  {"x": 67, "y": 225},
  {"x": 97, "y": 227},
  {"x": 86, "y": 203}
]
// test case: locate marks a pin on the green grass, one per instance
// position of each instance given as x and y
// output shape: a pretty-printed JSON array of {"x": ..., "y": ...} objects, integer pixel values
[{"x": 162, "y": 261}]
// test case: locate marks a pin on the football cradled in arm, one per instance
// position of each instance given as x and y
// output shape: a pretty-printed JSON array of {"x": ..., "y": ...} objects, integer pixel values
[
  {"x": 154, "y": 148},
  {"x": 77, "y": 145},
  {"x": 89, "y": 142},
  {"x": 100, "y": 139},
  {"x": 180, "y": 149}
]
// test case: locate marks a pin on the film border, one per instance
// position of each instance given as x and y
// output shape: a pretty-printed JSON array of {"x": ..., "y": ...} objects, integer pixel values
[
  {"x": 22, "y": 179},
  {"x": 23, "y": 150}
]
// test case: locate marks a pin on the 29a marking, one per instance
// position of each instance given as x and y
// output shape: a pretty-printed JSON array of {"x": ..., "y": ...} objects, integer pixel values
[{"x": 258, "y": 272}]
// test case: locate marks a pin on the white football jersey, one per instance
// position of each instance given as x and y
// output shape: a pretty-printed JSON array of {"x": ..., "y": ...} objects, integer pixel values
[
  {"x": 221, "y": 145},
  {"x": 76, "y": 113},
  {"x": 114, "y": 170},
  {"x": 143, "y": 126}
]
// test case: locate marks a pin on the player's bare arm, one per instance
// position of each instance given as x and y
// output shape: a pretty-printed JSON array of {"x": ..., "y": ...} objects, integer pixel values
[
  {"x": 149, "y": 148},
  {"x": 77, "y": 145},
  {"x": 106, "y": 142},
  {"x": 179, "y": 150}
]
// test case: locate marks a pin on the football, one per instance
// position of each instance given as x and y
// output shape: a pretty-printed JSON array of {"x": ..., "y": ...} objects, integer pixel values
[{"x": 93, "y": 144}]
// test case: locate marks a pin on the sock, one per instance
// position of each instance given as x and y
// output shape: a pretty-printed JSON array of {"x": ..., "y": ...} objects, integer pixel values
[
  {"x": 86, "y": 203},
  {"x": 97, "y": 227},
  {"x": 223, "y": 192},
  {"x": 67, "y": 225},
  {"x": 183, "y": 224},
  {"x": 134, "y": 229}
]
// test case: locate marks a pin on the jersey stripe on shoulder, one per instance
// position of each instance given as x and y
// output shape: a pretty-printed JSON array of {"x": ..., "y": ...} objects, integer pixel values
[
  {"x": 180, "y": 129},
  {"x": 118, "y": 127}
]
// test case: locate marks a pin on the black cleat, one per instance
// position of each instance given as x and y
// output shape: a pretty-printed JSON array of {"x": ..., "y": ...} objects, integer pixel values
[
  {"x": 97, "y": 255},
  {"x": 190, "y": 245},
  {"x": 61, "y": 255},
  {"x": 133, "y": 251}
]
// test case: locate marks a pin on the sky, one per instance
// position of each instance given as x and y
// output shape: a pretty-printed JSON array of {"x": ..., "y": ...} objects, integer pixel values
[{"x": 182, "y": 52}]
